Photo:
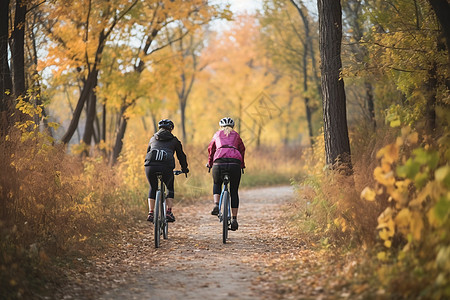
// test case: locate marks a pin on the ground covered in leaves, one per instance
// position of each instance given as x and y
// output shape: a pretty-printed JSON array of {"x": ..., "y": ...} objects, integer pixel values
[{"x": 264, "y": 259}]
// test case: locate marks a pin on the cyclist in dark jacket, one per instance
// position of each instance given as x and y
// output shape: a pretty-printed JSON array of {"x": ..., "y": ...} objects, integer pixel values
[
  {"x": 226, "y": 154},
  {"x": 160, "y": 158}
]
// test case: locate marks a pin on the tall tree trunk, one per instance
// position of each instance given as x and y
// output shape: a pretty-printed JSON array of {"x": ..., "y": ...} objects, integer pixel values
[
  {"x": 103, "y": 135},
  {"x": 370, "y": 104},
  {"x": 119, "y": 136},
  {"x": 305, "y": 92},
  {"x": 442, "y": 10},
  {"x": 430, "y": 110},
  {"x": 5, "y": 72},
  {"x": 337, "y": 145},
  {"x": 18, "y": 49},
  {"x": 289, "y": 115},
  {"x": 183, "y": 118},
  {"x": 90, "y": 116}
]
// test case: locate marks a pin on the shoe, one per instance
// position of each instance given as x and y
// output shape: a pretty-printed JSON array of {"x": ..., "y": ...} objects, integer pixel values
[
  {"x": 234, "y": 225},
  {"x": 150, "y": 217},
  {"x": 215, "y": 210},
  {"x": 170, "y": 217}
]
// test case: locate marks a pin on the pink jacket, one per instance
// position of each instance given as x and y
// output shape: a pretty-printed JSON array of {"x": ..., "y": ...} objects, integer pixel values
[{"x": 222, "y": 146}]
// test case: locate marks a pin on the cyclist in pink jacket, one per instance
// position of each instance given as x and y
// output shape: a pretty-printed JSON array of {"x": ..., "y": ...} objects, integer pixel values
[{"x": 226, "y": 154}]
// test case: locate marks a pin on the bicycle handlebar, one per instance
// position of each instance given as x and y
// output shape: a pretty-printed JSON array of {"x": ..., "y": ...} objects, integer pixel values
[{"x": 178, "y": 172}]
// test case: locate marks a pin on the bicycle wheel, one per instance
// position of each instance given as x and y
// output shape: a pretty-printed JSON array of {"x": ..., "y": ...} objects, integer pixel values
[
  {"x": 164, "y": 221},
  {"x": 226, "y": 201},
  {"x": 157, "y": 218}
]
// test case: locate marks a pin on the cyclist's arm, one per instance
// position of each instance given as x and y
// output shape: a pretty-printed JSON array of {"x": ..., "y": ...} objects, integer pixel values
[
  {"x": 241, "y": 149},
  {"x": 181, "y": 156},
  {"x": 211, "y": 151}
]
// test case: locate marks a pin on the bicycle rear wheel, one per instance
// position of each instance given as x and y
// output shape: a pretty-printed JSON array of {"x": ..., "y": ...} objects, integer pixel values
[
  {"x": 157, "y": 218},
  {"x": 226, "y": 205},
  {"x": 164, "y": 221}
]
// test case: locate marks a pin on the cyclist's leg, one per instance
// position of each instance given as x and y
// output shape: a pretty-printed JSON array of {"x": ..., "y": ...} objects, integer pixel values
[
  {"x": 217, "y": 187},
  {"x": 235, "y": 174},
  {"x": 168, "y": 179},
  {"x": 153, "y": 181}
]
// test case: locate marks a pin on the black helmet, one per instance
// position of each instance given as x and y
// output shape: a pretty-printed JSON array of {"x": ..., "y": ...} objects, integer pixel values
[
  {"x": 226, "y": 122},
  {"x": 166, "y": 124}
]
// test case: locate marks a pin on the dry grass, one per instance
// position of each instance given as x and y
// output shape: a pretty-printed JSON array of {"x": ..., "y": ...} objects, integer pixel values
[
  {"x": 54, "y": 208},
  {"x": 336, "y": 215}
]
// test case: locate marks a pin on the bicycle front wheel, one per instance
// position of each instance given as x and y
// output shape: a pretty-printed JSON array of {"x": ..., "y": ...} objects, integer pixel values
[
  {"x": 226, "y": 205},
  {"x": 157, "y": 218}
]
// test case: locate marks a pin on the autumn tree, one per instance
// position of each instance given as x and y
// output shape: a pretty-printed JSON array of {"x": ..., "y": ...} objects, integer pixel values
[
  {"x": 291, "y": 36},
  {"x": 18, "y": 48},
  {"x": 186, "y": 53},
  {"x": 357, "y": 58},
  {"x": 241, "y": 83},
  {"x": 442, "y": 10},
  {"x": 407, "y": 50},
  {"x": 170, "y": 24},
  {"x": 337, "y": 145}
]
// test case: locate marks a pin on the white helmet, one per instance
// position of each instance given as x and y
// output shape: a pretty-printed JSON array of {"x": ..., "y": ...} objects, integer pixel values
[{"x": 226, "y": 122}]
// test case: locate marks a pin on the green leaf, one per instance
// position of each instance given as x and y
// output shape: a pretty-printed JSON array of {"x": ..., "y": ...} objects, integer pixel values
[
  {"x": 430, "y": 158},
  {"x": 421, "y": 179},
  {"x": 442, "y": 208},
  {"x": 443, "y": 175},
  {"x": 409, "y": 170}
]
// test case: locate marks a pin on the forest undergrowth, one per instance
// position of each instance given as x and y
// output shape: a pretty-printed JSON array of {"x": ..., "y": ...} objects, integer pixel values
[{"x": 387, "y": 224}]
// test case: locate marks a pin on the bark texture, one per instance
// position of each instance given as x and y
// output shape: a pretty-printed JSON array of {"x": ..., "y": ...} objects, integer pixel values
[{"x": 337, "y": 145}]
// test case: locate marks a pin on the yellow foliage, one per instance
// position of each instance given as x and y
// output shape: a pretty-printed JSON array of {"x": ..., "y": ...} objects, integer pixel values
[
  {"x": 382, "y": 256},
  {"x": 368, "y": 194}
]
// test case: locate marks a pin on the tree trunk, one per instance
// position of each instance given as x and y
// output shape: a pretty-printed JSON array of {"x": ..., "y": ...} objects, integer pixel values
[
  {"x": 337, "y": 145},
  {"x": 442, "y": 10},
  {"x": 103, "y": 135},
  {"x": 18, "y": 49},
  {"x": 5, "y": 73},
  {"x": 289, "y": 116},
  {"x": 430, "y": 110},
  {"x": 305, "y": 90},
  {"x": 370, "y": 104},
  {"x": 183, "y": 118},
  {"x": 90, "y": 115},
  {"x": 119, "y": 137}
]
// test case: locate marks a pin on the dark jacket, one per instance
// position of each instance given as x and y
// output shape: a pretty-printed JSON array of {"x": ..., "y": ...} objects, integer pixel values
[{"x": 161, "y": 149}]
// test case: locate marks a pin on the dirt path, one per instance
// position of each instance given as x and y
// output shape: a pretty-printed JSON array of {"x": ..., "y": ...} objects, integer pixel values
[
  {"x": 194, "y": 263},
  {"x": 262, "y": 260}
]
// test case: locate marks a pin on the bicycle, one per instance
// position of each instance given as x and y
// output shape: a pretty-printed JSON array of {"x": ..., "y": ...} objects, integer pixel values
[{"x": 159, "y": 218}]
